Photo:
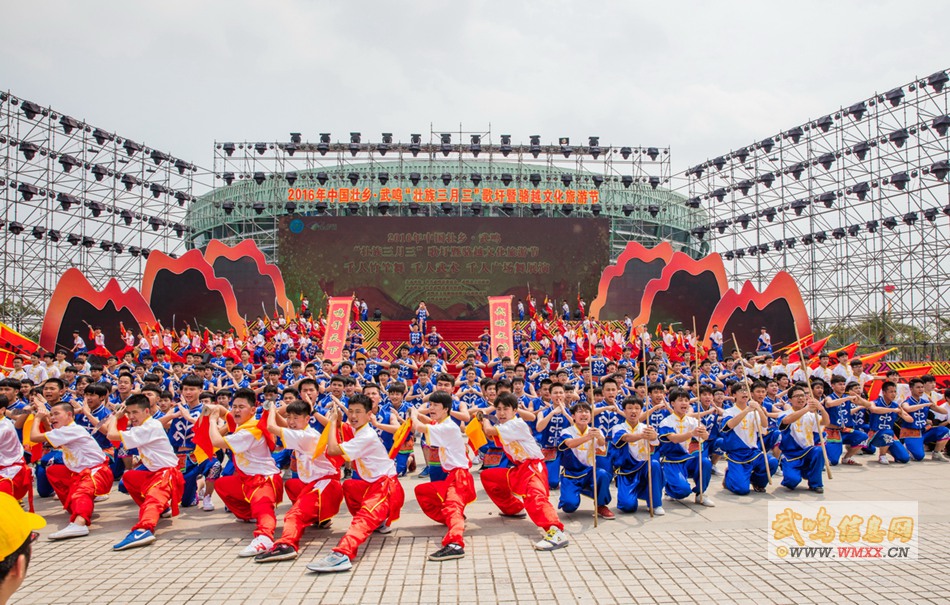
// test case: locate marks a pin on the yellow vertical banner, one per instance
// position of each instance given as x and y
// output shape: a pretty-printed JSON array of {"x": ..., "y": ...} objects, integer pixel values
[
  {"x": 500, "y": 324},
  {"x": 338, "y": 320}
]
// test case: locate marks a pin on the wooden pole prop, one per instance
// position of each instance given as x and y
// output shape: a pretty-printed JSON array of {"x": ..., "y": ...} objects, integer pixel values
[
  {"x": 643, "y": 376},
  {"x": 758, "y": 423},
  {"x": 821, "y": 431},
  {"x": 593, "y": 448}
]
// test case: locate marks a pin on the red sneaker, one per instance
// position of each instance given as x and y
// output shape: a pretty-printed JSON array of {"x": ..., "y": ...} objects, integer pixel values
[{"x": 605, "y": 513}]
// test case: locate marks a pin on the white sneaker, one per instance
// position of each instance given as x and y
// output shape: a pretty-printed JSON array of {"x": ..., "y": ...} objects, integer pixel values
[
  {"x": 882, "y": 460},
  {"x": 716, "y": 472},
  {"x": 553, "y": 540},
  {"x": 939, "y": 457},
  {"x": 705, "y": 501},
  {"x": 257, "y": 546},
  {"x": 206, "y": 503},
  {"x": 101, "y": 498},
  {"x": 384, "y": 528},
  {"x": 658, "y": 511},
  {"x": 73, "y": 530}
]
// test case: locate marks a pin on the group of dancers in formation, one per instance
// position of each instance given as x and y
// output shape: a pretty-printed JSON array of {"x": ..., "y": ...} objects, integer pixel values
[{"x": 172, "y": 434}]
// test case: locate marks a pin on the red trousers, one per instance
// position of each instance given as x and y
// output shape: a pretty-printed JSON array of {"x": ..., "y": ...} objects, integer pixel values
[
  {"x": 252, "y": 497},
  {"x": 154, "y": 491},
  {"x": 20, "y": 485},
  {"x": 444, "y": 502},
  {"x": 522, "y": 487},
  {"x": 370, "y": 504},
  {"x": 78, "y": 490},
  {"x": 318, "y": 500}
]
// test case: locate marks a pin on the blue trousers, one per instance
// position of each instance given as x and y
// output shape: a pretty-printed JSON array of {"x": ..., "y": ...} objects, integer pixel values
[
  {"x": 836, "y": 448},
  {"x": 554, "y": 472},
  {"x": 915, "y": 445},
  {"x": 747, "y": 469},
  {"x": 633, "y": 487},
  {"x": 808, "y": 467},
  {"x": 573, "y": 487},
  {"x": 895, "y": 448},
  {"x": 191, "y": 474},
  {"x": 677, "y": 475}
]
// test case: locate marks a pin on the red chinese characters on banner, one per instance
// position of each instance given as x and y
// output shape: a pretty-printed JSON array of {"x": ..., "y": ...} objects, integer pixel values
[
  {"x": 338, "y": 319},
  {"x": 452, "y": 195},
  {"x": 499, "y": 323}
]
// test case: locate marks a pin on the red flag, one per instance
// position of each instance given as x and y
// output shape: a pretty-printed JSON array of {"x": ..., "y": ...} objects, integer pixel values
[
  {"x": 399, "y": 438},
  {"x": 122, "y": 329},
  {"x": 203, "y": 447},
  {"x": 267, "y": 435},
  {"x": 120, "y": 425},
  {"x": 531, "y": 310},
  {"x": 92, "y": 334},
  {"x": 580, "y": 307},
  {"x": 659, "y": 329}
]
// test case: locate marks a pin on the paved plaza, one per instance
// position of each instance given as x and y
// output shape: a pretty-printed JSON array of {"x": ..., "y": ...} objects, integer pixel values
[{"x": 693, "y": 554}]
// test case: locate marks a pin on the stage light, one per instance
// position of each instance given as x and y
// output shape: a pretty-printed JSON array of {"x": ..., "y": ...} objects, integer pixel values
[
  {"x": 16, "y": 228},
  {"x": 857, "y": 110},
  {"x": 414, "y": 208},
  {"x": 382, "y": 208},
  {"x": 898, "y": 137},
  {"x": 861, "y": 190},
  {"x": 128, "y": 181},
  {"x": 508, "y": 208},
  {"x": 654, "y": 182},
  {"x": 414, "y": 178},
  {"x": 910, "y": 218},
  {"x": 295, "y": 138},
  {"x": 258, "y": 207},
  {"x": 535, "y": 179},
  {"x": 938, "y": 80},
  {"x": 890, "y": 222},
  {"x": 699, "y": 232},
  {"x": 566, "y": 179},
  {"x": 446, "y": 178},
  {"x": 102, "y": 136},
  {"x": 826, "y": 160},
  {"x": 565, "y": 145},
  {"x": 653, "y": 152},
  {"x": 28, "y": 191},
  {"x": 355, "y": 139},
  {"x": 353, "y": 177},
  {"x": 53, "y": 235},
  {"x": 145, "y": 252},
  {"x": 322, "y": 178},
  {"x": 625, "y": 152},
  {"x": 73, "y": 239},
  {"x": 744, "y": 220},
  {"x": 506, "y": 178},
  {"x": 228, "y": 149},
  {"x": 799, "y": 206},
  {"x": 795, "y": 134},
  {"x": 596, "y": 209},
  {"x": 740, "y": 253},
  {"x": 118, "y": 248},
  {"x": 721, "y": 226},
  {"x": 825, "y": 123},
  {"x": 476, "y": 208},
  {"x": 900, "y": 180},
  {"x": 940, "y": 169},
  {"x": 446, "y": 143},
  {"x": 99, "y": 172},
  {"x": 66, "y": 201},
  {"x": 566, "y": 209},
  {"x": 154, "y": 222},
  {"x": 131, "y": 147},
  {"x": 505, "y": 146},
  {"x": 228, "y": 177},
  {"x": 135, "y": 250},
  {"x": 476, "y": 178},
  {"x": 29, "y": 150},
  {"x": 476, "y": 147},
  {"x": 324, "y": 145},
  {"x": 627, "y": 180},
  {"x": 69, "y": 124},
  {"x": 126, "y": 216},
  {"x": 105, "y": 245},
  {"x": 627, "y": 210},
  {"x": 719, "y": 162},
  {"x": 696, "y": 171},
  {"x": 941, "y": 124},
  {"x": 828, "y": 199},
  {"x": 770, "y": 214},
  {"x": 290, "y": 207},
  {"x": 853, "y": 230},
  {"x": 777, "y": 245},
  {"x": 861, "y": 150},
  {"x": 383, "y": 147},
  {"x": 729, "y": 255},
  {"x": 820, "y": 237},
  {"x": 415, "y": 141},
  {"x": 790, "y": 243},
  {"x": 745, "y": 186},
  {"x": 158, "y": 157},
  {"x": 871, "y": 226},
  {"x": 719, "y": 194},
  {"x": 598, "y": 180},
  {"x": 290, "y": 149},
  {"x": 353, "y": 208},
  {"x": 767, "y": 144},
  {"x": 96, "y": 209},
  {"x": 536, "y": 209},
  {"x": 87, "y": 242},
  {"x": 653, "y": 210},
  {"x": 593, "y": 146},
  {"x": 158, "y": 189},
  {"x": 931, "y": 214},
  {"x": 767, "y": 179},
  {"x": 693, "y": 202},
  {"x": 383, "y": 178},
  {"x": 535, "y": 147},
  {"x": 259, "y": 177},
  {"x": 742, "y": 153},
  {"x": 291, "y": 178},
  {"x": 446, "y": 208},
  {"x": 808, "y": 239},
  {"x": 894, "y": 96},
  {"x": 797, "y": 170}
]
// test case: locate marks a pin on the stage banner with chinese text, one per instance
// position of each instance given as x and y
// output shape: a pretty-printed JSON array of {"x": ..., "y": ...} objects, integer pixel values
[
  {"x": 499, "y": 309},
  {"x": 338, "y": 319}
]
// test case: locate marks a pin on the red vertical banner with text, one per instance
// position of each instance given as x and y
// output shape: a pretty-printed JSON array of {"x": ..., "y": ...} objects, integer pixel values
[
  {"x": 500, "y": 324},
  {"x": 338, "y": 320}
]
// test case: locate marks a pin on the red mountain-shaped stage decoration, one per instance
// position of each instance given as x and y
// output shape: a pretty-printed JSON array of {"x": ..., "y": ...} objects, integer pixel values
[
  {"x": 185, "y": 290},
  {"x": 258, "y": 286},
  {"x": 75, "y": 300},
  {"x": 779, "y": 308},
  {"x": 686, "y": 289},
  {"x": 622, "y": 284}
]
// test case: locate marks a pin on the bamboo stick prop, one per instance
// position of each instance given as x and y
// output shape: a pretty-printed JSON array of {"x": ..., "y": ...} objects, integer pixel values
[
  {"x": 593, "y": 447},
  {"x": 821, "y": 431},
  {"x": 649, "y": 445},
  {"x": 699, "y": 467},
  {"x": 758, "y": 423}
]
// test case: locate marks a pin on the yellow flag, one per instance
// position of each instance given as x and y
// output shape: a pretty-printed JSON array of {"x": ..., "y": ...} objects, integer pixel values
[
  {"x": 476, "y": 434},
  {"x": 322, "y": 442}
]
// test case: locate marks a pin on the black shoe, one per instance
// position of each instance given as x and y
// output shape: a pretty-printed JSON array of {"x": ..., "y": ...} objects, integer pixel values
[
  {"x": 817, "y": 490},
  {"x": 323, "y": 524},
  {"x": 447, "y": 553},
  {"x": 279, "y": 552},
  {"x": 760, "y": 490},
  {"x": 518, "y": 515}
]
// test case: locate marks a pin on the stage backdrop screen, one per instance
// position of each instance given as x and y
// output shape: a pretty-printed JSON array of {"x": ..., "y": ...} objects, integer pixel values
[{"x": 452, "y": 263}]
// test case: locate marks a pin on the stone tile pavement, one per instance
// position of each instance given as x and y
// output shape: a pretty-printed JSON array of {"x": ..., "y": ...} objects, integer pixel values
[{"x": 693, "y": 554}]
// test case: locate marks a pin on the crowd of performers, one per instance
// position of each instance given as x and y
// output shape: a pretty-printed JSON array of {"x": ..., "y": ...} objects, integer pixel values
[{"x": 251, "y": 423}]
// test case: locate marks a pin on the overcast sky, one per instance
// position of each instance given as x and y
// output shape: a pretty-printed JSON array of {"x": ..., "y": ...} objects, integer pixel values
[{"x": 701, "y": 77}]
